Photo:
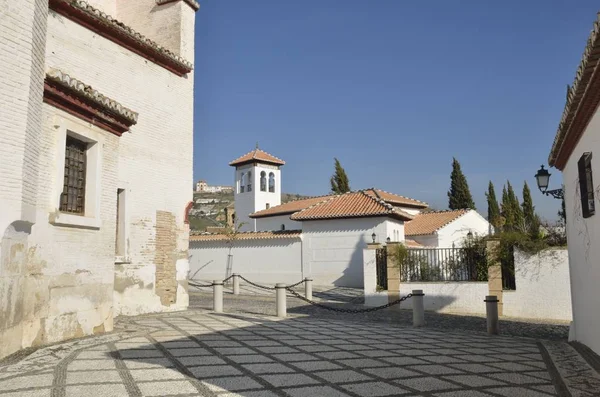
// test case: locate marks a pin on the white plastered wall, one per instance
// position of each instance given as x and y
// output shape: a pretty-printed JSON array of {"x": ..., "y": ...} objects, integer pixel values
[
  {"x": 456, "y": 231},
  {"x": 275, "y": 222}
]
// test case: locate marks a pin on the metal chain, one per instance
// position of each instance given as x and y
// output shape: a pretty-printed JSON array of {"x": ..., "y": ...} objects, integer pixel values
[
  {"x": 353, "y": 311},
  {"x": 227, "y": 279},
  {"x": 198, "y": 285},
  {"x": 256, "y": 285},
  {"x": 295, "y": 285}
]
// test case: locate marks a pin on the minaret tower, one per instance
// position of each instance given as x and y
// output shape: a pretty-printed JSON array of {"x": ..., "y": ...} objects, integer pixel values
[{"x": 257, "y": 185}]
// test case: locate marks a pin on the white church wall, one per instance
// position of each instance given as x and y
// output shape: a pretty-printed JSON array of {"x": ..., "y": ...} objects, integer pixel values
[
  {"x": 456, "y": 232},
  {"x": 262, "y": 261},
  {"x": 275, "y": 223},
  {"x": 333, "y": 249}
]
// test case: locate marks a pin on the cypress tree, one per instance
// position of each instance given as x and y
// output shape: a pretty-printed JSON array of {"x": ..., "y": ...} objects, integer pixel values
[
  {"x": 339, "y": 181},
  {"x": 517, "y": 211},
  {"x": 531, "y": 219},
  {"x": 493, "y": 208},
  {"x": 507, "y": 211},
  {"x": 562, "y": 213},
  {"x": 459, "y": 195}
]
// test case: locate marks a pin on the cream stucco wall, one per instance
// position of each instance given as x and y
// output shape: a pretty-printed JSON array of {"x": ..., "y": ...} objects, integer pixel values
[
  {"x": 539, "y": 279},
  {"x": 59, "y": 280},
  {"x": 583, "y": 236}
]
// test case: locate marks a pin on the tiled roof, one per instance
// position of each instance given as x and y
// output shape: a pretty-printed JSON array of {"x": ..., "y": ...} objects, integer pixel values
[
  {"x": 412, "y": 243},
  {"x": 350, "y": 205},
  {"x": 246, "y": 235},
  {"x": 257, "y": 155},
  {"x": 583, "y": 98},
  {"x": 396, "y": 199},
  {"x": 430, "y": 222},
  {"x": 290, "y": 207},
  {"x": 192, "y": 3},
  {"x": 90, "y": 93}
]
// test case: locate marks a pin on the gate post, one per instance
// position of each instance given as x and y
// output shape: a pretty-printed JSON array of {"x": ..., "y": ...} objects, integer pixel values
[
  {"x": 494, "y": 272},
  {"x": 236, "y": 284},
  {"x": 393, "y": 271}
]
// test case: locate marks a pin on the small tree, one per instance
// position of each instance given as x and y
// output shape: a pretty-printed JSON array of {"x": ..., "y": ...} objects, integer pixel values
[
  {"x": 531, "y": 219},
  {"x": 493, "y": 207},
  {"x": 339, "y": 181},
  {"x": 459, "y": 195},
  {"x": 231, "y": 232}
]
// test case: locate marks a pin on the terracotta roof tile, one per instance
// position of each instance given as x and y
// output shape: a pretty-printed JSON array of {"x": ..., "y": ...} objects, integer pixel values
[
  {"x": 430, "y": 222},
  {"x": 412, "y": 243},
  {"x": 582, "y": 101},
  {"x": 247, "y": 235},
  {"x": 350, "y": 205},
  {"x": 290, "y": 207},
  {"x": 257, "y": 155},
  {"x": 396, "y": 198}
]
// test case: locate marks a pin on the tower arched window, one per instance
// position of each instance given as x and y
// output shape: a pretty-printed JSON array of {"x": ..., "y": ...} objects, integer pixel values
[
  {"x": 263, "y": 181},
  {"x": 249, "y": 184},
  {"x": 271, "y": 182},
  {"x": 243, "y": 182}
]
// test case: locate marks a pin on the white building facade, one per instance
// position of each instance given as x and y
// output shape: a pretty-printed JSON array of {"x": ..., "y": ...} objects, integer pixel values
[
  {"x": 93, "y": 190},
  {"x": 574, "y": 153}
]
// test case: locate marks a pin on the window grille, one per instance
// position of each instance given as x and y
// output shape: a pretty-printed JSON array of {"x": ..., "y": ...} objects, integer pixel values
[{"x": 72, "y": 199}]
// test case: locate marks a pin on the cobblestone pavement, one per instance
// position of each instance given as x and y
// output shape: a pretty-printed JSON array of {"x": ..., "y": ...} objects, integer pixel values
[{"x": 198, "y": 353}]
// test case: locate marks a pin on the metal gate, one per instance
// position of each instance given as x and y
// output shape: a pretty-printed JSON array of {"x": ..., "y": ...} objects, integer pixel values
[{"x": 381, "y": 267}]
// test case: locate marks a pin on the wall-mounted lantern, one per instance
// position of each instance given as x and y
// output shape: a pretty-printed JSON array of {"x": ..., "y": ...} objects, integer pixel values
[{"x": 543, "y": 180}]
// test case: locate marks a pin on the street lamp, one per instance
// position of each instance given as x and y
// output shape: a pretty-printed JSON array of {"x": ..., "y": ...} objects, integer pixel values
[
  {"x": 543, "y": 179},
  {"x": 373, "y": 236},
  {"x": 388, "y": 239},
  {"x": 470, "y": 236}
]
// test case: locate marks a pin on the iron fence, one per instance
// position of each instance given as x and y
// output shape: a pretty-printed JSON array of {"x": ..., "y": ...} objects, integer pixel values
[
  {"x": 444, "y": 264},
  {"x": 381, "y": 268}
]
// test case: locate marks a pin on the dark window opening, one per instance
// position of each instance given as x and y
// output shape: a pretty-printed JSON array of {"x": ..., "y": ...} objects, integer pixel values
[
  {"x": 72, "y": 199},
  {"x": 586, "y": 185},
  {"x": 263, "y": 181}
]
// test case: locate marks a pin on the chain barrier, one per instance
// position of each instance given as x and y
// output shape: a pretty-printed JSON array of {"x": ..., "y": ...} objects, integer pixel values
[
  {"x": 256, "y": 285},
  {"x": 353, "y": 311},
  {"x": 199, "y": 285},
  {"x": 227, "y": 279},
  {"x": 295, "y": 285}
]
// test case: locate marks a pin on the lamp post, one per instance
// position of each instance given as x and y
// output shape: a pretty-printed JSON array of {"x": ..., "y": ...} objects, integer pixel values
[
  {"x": 543, "y": 179},
  {"x": 373, "y": 236},
  {"x": 470, "y": 236}
]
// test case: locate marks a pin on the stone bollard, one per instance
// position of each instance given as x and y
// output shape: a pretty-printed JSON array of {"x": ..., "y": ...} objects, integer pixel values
[
  {"x": 236, "y": 284},
  {"x": 418, "y": 308},
  {"x": 218, "y": 296},
  {"x": 281, "y": 304},
  {"x": 491, "y": 311},
  {"x": 308, "y": 288}
]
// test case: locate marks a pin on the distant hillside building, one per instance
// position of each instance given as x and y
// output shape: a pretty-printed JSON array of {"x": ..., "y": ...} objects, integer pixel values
[{"x": 202, "y": 186}]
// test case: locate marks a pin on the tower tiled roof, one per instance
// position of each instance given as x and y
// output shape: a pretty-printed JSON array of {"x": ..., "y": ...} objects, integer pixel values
[{"x": 259, "y": 156}]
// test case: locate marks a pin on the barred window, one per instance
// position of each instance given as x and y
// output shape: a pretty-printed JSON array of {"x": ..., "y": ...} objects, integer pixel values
[
  {"x": 72, "y": 199},
  {"x": 586, "y": 185}
]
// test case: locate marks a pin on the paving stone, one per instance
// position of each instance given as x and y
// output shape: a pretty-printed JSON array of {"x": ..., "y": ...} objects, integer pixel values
[
  {"x": 435, "y": 369},
  {"x": 427, "y": 384},
  {"x": 140, "y": 353},
  {"x": 362, "y": 363},
  {"x": 82, "y": 365},
  {"x": 316, "y": 365},
  {"x": 318, "y": 348},
  {"x": 211, "y": 371},
  {"x": 290, "y": 380},
  {"x": 155, "y": 374},
  {"x": 277, "y": 349},
  {"x": 180, "y": 344},
  {"x": 476, "y": 368},
  {"x": 231, "y": 383},
  {"x": 405, "y": 360},
  {"x": 267, "y": 368},
  {"x": 200, "y": 360},
  {"x": 392, "y": 372},
  {"x": 148, "y": 363},
  {"x": 165, "y": 388},
  {"x": 291, "y": 357},
  {"x": 516, "y": 378},
  {"x": 112, "y": 390},
  {"x": 234, "y": 350},
  {"x": 315, "y": 391},
  {"x": 93, "y": 377},
  {"x": 473, "y": 380},
  {"x": 26, "y": 381},
  {"x": 513, "y": 367},
  {"x": 374, "y": 389},
  {"x": 337, "y": 355},
  {"x": 378, "y": 353},
  {"x": 94, "y": 355},
  {"x": 196, "y": 351},
  {"x": 250, "y": 358},
  {"x": 465, "y": 393},
  {"x": 257, "y": 343},
  {"x": 342, "y": 376},
  {"x": 29, "y": 393},
  {"x": 518, "y": 391}
]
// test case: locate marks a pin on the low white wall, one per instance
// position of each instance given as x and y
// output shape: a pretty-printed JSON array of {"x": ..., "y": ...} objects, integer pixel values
[
  {"x": 451, "y": 297},
  {"x": 261, "y": 261},
  {"x": 543, "y": 287}
]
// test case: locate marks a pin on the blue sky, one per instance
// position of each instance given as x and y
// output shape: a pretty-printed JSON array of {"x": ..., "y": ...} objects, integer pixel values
[{"x": 394, "y": 89}]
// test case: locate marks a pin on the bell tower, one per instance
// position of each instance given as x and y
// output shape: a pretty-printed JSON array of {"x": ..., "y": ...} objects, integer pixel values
[{"x": 257, "y": 185}]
